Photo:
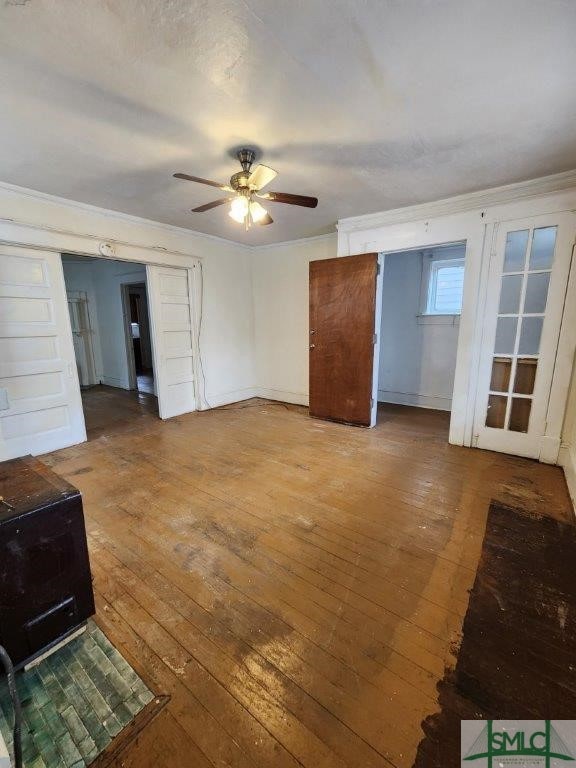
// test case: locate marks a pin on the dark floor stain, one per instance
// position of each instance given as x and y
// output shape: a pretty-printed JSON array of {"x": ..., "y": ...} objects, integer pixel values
[
  {"x": 517, "y": 658},
  {"x": 80, "y": 471}
]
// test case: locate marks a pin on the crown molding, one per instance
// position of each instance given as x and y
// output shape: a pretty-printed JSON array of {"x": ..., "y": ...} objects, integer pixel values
[
  {"x": 295, "y": 243},
  {"x": 462, "y": 203},
  {"x": 457, "y": 204},
  {"x": 108, "y": 213}
]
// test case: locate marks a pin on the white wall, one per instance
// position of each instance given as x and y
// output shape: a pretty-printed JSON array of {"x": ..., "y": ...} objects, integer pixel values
[
  {"x": 101, "y": 280},
  {"x": 280, "y": 288},
  {"x": 108, "y": 277},
  {"x": 417, "y": 353},
  {"x": 227, "y": 341}
]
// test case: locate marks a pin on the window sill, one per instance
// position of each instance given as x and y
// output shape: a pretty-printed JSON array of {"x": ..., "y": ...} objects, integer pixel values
[{"x": 438, "y": 319}]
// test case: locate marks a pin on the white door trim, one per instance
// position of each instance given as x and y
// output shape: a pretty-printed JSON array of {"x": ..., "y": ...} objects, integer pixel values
[
  {"x": 377, "y": 335},
  {"x": 561, "y": 378},
  {"x": 469, "y": 228},
  {"x": 132, "y": 380}
]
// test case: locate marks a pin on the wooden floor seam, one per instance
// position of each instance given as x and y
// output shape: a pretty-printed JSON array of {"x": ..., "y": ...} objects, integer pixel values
[{"x": 297, "y": 587}]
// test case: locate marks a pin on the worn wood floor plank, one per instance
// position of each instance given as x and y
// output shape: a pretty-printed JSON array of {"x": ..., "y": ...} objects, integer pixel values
[{"x": 297, "y": 587}]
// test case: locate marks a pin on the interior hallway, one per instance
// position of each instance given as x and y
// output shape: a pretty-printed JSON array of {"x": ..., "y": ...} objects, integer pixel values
[{"x": 295, "y": 585}]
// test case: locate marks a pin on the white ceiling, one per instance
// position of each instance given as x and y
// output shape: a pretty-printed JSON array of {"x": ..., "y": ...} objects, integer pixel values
[{"x": 368, "y": 104}]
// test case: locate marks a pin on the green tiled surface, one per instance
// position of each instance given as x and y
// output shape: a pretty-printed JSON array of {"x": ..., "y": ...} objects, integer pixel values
[{"x": 74, "y": 703}]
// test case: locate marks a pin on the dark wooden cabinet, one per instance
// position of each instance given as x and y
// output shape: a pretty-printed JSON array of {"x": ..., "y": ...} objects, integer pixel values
[{"x": 45, "y": 581}]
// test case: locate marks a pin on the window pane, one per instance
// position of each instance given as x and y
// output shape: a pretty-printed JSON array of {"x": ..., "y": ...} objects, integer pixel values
[
  {"x": 447, "y": 287},
  {"x": 510, "y": 295},
  {"x": 542, "y": 250},
  {"x": 496, "y": 413},
  {"x": 515, "y": 253},
  {"x": 525, "y": 376},
  {"x": 506, "y": 335},
  {"x": 536, "y": 293},
  {"x": 530, "y": 335},
  {"x": 520, "y": 414},
  {"x": 500, "y": 380}
]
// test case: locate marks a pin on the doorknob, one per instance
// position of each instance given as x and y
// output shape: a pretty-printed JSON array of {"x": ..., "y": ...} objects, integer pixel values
[{"x": 312, "y": 346}]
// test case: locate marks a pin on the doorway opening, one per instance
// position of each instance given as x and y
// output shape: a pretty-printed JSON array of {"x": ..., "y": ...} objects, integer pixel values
[
  {"x": 109, "y": 317},
  {"x": 139, "y": 343},
  {"x": 421, "y": 304}
]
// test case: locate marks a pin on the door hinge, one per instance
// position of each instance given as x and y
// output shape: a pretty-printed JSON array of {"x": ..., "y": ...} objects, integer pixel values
[
  {"x": 371, "y": 402},
  {"x": 378, "y": 268},
  {"x": 375, "y": 339}
]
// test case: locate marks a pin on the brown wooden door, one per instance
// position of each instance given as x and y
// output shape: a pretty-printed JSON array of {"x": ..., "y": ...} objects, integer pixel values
[{"x": 342, "y": 325}]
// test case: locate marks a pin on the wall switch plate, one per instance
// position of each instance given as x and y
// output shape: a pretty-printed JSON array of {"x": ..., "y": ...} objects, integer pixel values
[{"x": 4, "y": 404}]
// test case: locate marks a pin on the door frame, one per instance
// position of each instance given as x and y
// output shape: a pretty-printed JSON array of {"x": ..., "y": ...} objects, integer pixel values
[
  {"x": 195, "y": 318},
  {"x": 471, "y": 229},
  {"x": 425, "y": 277},
  {"x": 464, "y": 219},
  {"x": 125, "y": 293},
  {"x": 132, "y": 379}
]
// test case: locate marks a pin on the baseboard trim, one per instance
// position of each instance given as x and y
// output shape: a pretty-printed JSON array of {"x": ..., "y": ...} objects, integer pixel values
[
  {"x": 434, "y": 402},
  {"x": 112, "y": 381},
  {"x": 226, "y": 398},
  {"x": 283, "y": 396},
  {"x": 567, "y": 460}
]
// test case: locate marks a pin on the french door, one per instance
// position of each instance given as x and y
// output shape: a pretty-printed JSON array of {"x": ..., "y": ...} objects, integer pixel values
[{"x": 528, "y": 273}]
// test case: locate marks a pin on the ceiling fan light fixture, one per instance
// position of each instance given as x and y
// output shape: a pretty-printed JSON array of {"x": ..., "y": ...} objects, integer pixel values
[
  {"x": 239, "y": 209},
  {"x": 257, "y": 212},
  {"x": 245, "y": 185}
]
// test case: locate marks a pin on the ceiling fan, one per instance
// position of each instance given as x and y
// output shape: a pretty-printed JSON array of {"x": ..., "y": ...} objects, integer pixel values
[{"x": 244, "y": 186}]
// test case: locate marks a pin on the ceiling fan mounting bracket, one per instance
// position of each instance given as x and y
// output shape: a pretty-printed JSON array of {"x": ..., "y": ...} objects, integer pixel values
[{"x": 246, "y": 158}]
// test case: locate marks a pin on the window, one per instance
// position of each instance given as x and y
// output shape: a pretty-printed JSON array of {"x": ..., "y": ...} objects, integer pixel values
[{"x": 446, "y": 280}]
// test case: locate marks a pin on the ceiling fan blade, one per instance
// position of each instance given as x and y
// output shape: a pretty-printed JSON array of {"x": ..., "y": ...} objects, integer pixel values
[
  {"x": 260, "y": 176},
  {"x": 286, "y": 197},
  {"x": 213, "y": 204},
  {"x": 265, "y": 220},
  {"x": 186, "y": 177}
]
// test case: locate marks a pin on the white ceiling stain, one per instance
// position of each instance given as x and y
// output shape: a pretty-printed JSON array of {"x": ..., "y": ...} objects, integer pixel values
[{"x": 366, "y": 104}]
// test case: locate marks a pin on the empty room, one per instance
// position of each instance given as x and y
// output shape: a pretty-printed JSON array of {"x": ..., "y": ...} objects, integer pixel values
[{"x": 287, "y": 384}]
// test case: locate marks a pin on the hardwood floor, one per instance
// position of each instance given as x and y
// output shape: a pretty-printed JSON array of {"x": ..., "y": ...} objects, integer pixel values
[{"x": 297, "y": 586}]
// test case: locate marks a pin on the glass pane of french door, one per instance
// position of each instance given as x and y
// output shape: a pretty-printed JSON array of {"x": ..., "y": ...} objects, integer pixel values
[
  {"x": 521, "y": 312},
  {"x": 526, "y": 285}
]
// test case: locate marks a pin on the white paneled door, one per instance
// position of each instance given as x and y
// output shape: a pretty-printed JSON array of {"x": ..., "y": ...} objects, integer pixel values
[
  {"x": 172, "y": 336},
  {"x": 529, "y": 269},
  {"x": 40, "y": 405}
]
